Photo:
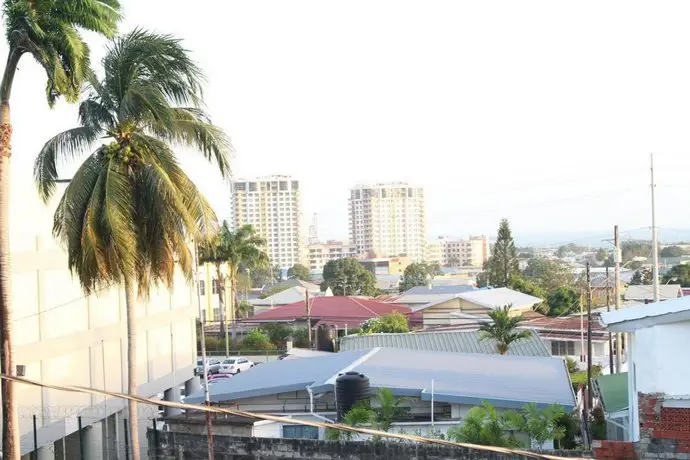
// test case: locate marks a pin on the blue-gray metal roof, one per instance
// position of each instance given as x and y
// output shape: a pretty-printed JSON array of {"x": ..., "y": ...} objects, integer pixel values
[
  {"x": 452, "y": 341},
  {"x": 278, "y": 377},
  {"x": 459, "y": 378}
]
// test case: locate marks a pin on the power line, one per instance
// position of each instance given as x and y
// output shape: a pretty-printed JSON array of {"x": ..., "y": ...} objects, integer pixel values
[{"x": 63, "y": 304}]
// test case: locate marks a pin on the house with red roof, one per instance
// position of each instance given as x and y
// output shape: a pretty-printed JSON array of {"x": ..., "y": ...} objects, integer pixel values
[{"x": 335, "y": 313}]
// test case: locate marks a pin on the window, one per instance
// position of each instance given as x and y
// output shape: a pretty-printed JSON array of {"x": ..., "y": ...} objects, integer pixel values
[
  {"x": 300, "y": 432},
  {"x": 202, "y": 287},
  {"x": 562, "y": 348}
]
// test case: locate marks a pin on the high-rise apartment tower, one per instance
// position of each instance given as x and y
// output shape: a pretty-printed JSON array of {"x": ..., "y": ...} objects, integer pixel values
[
  {"x": 272, "y": 205},
  {"x": 388, "y": 220}
]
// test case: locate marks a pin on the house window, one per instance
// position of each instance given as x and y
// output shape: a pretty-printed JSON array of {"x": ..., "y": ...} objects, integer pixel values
[
  {"x": 214, "y": 286},
  {"x": 202, "y": 287},
  {"x": 562, "y": 348},
  {"x": 300, "y": 432}
]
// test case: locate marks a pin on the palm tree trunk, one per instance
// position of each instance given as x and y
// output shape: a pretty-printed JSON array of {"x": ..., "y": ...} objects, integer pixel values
[
  {"x": 220, "y": 285},
  {"x": 132, "y": 367},
  {"x": 10, "y": 421}
]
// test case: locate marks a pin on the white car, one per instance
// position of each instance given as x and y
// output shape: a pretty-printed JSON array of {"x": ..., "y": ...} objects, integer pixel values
[{"x": 235, "y": 365}]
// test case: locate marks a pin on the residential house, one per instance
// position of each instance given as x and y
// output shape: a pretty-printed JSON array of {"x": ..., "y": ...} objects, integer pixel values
[
  {"x": 451, "y": 341},
  {"x": 422, "y": 295},
  {"x": 644, "y": 293},
  {"x": 304, "y": 388},
  {"x": 286, "y": 297},
  {"x": 472, "y": 305},
  {"x": 658, "y": 374},
  {"x": 567, "y": 336},
  {"x": 387, "y": 265}
]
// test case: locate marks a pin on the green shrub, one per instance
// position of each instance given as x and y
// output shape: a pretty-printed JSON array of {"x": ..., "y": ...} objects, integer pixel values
[{"x": 257, "y": 340}]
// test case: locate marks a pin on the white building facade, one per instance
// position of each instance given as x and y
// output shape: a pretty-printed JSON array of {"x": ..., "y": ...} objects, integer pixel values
[
  {"x": 456, "y": 252},
  {"x": 387, "y": 220},
  {"x": 272, "y": 206},
  {"x": 319, "y": 254},
  {"x": 62, "y": 336}
]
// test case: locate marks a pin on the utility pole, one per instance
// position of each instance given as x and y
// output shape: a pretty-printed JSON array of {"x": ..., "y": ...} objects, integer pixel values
[
  {"x": 589, "y": 339},
  {"x": 655, "y": 243},
  {"x": 306, "y": 304},
  {"x": 608, "y": 308},
  {"x": 616, "y": 291},
  {"x": 207, "y": 395}
]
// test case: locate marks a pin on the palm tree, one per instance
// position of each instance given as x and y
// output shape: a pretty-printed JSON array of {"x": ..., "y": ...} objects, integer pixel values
[
  {"x": 129, "y": 211},
  {"x": 503, "y": 329},
  {"x": 49, "y": 32},
  {"x": 243, "y": 247}
]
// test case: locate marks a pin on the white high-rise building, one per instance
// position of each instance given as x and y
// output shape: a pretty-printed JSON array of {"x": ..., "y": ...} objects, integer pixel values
[
  {"x": 272, "y": 206},
  {"x": 473, "y": 252},
  {"x": 319, "y": 254},
  {"x": 388, "y": 220}
]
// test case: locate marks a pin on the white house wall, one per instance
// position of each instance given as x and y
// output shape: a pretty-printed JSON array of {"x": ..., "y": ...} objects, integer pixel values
[{"x": 658, "y": 366}]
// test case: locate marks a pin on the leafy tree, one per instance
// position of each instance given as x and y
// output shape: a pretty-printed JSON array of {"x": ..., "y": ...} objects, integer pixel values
[
  {"x": 540, "y": 425},
  {"x": 390, "y": 323},
  {"x": 526, "y": 286},
  {"x": 50, "y": 33},
  {"x": 642, "y": 276},
  {"x": 672, "y": 251},
  {"x": 244, "y": 309},
  {"x": 503, "y": 263},
  {"x": 348, "y": 277},
  {"x": 569, "y": 424},
  {"x": 602, "y": 255},
  {"x": 126, "y": 216},
  {"x": 434, "y": 269},
  {"x": 277, "y": 273},
  {"x": 563, "y": 301},
  {"x": 243, "y": 246},
  {"x": 678, "y": 274},
  {"x": 503, "y": 329},
  {"x": 299, "y": 272},
  {"x": 549, "y": 274},
  {"x": 257, "y": 340},
  {"x": 597, "y": 424},
  {"x": 277, "y": 333},
  {"x": 632, "y": 249},
  {"x": 483, "y": 425},
  {"x": 416, "y": 274}
]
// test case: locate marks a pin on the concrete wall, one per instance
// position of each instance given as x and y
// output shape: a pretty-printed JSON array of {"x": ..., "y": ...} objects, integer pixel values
[
  {"x": 65, "y": 337},
  {"x": 656, "y": 356},
  {"x": 173, "y": 446}
]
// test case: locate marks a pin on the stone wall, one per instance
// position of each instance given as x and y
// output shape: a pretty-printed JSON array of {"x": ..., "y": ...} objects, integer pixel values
[
  {"x": 183, "y": 446},
  {"x": 664, "y": 431}
]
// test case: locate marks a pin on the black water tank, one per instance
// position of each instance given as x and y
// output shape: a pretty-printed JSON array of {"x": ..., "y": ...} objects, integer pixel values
[{"x": 350, "y": 388}]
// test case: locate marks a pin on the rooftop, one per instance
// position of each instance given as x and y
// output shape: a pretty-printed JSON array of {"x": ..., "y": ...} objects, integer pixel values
[
  {"x": 496, "y": 298},
  {"x": 649, "y": 315},
  {"x": 349, "y": 310},
  {"x": 439, "y": 289},
  {"x": 460, "y": 378},
  {"x": 287, "y": 296},
  {"x": 454, "y": 341},
  {"x": 645, "y": 292},
  {"x": 613, "y": 391}
]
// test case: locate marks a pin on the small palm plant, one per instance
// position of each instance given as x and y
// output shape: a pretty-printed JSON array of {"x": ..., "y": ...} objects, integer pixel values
[{"x": 503, "y": 329}]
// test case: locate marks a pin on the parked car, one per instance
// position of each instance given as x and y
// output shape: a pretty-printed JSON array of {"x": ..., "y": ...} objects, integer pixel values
[
  {"x": 235, "y": 365},
  {"x": 213, "y": 366}
]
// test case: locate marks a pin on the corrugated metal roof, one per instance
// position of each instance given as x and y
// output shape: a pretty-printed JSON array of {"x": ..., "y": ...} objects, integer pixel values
[
  {"x": 460, "y": 378},
  {"x": 613, "y": 391},
  {"x": 439, "y": 289},
  {"x": 455, "y": 341},
  {"x": 278, "y": 377},
  {"x": 632, "y": 318},
  {"x": 496, "y": 298}
]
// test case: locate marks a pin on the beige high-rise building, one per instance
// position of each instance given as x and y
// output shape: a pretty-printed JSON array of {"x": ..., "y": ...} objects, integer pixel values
[
  {"x": 473, "y": 252},
  {"x": 388, "y": 220},
  {"x": 272, "y": 205}
]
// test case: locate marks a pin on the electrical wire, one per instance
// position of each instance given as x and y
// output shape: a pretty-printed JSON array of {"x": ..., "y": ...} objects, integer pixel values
[{"x": 274, "y": 418}]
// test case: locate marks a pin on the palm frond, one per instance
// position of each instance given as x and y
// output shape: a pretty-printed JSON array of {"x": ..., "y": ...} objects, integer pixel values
[{"x": 63, "y": 146}]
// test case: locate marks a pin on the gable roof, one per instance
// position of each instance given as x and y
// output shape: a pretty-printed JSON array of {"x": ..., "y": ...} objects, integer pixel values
[
  {"x": 333, "y": 308},
  {"x": 653, "y": 314},
  {"x": 287, "y": 296},
  {"x": 459, "y": 378},
  {"x": 496, "y": 298},
  {"x": 646, "y": 292},
  {"x": 439, "y": 289},
  {"x": 454, "y": 341},
  {"x": 292, "y": 282}
]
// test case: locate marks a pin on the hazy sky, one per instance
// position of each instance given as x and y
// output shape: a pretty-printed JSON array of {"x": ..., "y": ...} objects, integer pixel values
[{"x": 539, "y": 111}]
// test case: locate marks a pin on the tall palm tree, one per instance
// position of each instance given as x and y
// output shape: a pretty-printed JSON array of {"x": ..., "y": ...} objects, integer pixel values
[
  {"x": 129, "y": 211},
  {"x": 243, "y": 247},
  {"x": 48, "y": 31},
  {"x": 503, "y": 329}
]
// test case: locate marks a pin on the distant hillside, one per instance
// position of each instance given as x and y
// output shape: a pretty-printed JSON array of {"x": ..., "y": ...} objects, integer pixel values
[{"x": 595, "y": 238}]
